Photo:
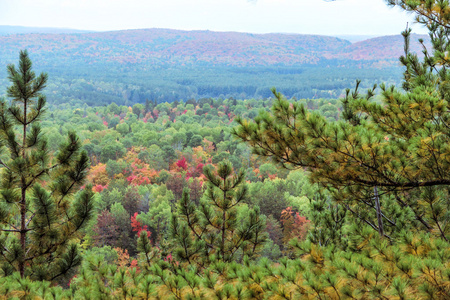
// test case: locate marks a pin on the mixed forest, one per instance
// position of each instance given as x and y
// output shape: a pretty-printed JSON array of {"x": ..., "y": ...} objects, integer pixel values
[
  {"x": 131, "y": 66},
  {"x": 220, "y": 198}
]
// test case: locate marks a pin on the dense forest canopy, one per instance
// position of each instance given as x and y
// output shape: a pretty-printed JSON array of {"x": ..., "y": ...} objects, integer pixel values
[
  {"x": 323, "y": 199},
  {"x": 128, "y": 67}
]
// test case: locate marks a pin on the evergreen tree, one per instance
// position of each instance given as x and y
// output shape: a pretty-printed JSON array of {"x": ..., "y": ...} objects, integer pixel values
[
  {"x": 329, "y": 221},
  {"x": 39, "y": 218},
  {"x": 212, "y": 228},
  {"x": 387, "y": 163}
]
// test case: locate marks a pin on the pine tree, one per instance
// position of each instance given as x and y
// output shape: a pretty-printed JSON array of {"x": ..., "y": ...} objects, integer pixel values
[
  {"x": 39, "y": 216},
  {"x": 329, "y": 221},
  {"x": 387, "y": 163},
  {"x": 213, "y": 228}
]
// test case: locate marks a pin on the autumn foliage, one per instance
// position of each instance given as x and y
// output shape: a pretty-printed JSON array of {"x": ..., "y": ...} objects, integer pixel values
[
  {"x": 137, "y": 226},
  {"x": 294, "y": 225},
  {"x": 98, "y": 175}
]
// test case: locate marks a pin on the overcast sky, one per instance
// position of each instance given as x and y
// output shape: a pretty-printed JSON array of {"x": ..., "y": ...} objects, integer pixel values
[{"x": 353, "y": 17}]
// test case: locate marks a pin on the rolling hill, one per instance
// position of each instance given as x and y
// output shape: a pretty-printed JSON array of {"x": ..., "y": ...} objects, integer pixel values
[
  {"x": 166, "y": 64},
  {"x": 191, "y": 47}
]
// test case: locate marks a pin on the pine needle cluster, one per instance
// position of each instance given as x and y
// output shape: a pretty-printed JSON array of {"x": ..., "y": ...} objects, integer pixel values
[
  {"x": 387, "y": 163},
  {"x": 39, "y": 217},
  {"x": 213, "y": 227}
]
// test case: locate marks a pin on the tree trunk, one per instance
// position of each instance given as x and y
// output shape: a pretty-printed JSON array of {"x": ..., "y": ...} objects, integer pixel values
[
  {"x": 223, "y": 223},
  {"x": 23, "y": 203},
  {"x": 379, "y": 215},
  {"x": 23, "y": 231}
]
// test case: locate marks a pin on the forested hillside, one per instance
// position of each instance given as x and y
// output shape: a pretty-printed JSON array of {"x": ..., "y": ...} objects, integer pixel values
[
  {"x": 128, "y": 67},
  {"x": 223, "y": 198},
  {"x": 165, "y": 213}
]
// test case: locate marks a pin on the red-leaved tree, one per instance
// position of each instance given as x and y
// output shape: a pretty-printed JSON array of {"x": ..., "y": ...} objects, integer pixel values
[
  {"x": 137, "y": 226},
  {"x": 294, "y": 225}
]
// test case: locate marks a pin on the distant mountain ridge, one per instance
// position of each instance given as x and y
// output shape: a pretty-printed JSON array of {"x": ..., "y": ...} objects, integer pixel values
[
  {"x": 385, "y": 47},
  {"x": 130, "y": 66},
  {"x": 162, "y": 46}
]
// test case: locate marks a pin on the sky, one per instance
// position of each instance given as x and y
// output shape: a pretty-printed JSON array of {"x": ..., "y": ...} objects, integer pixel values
[{"x": 340, "y": 17}]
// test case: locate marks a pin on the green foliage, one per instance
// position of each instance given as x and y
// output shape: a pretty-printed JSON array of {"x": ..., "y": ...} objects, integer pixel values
[
  {"x": 107, "y": 253},
  {"x": 213, "y": 228},
  {"x": 385, "y": 169},
  {"x": 416, "y": 268},
  {"x": 39, "y": 215},
  {"x": 110, "y": 72},
  {"x": 195, "y": 141},
  {"x": 112, "y": 151},
  {"x": 159, "y": 212},
  {"x": 123, "y": 128},
  {"x": 369, "y": 200},
  {"x": 124, "y": 237},
  {"x": 269, "y": 196}
]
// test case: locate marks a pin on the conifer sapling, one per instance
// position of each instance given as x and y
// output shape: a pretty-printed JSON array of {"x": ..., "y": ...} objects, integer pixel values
[{"x": 41, "y": 212}]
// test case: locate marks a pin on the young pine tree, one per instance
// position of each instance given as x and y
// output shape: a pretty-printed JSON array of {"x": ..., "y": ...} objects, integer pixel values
[
  {"x": 213, "y": 227},
  {"x": 39, "y": 215}
]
